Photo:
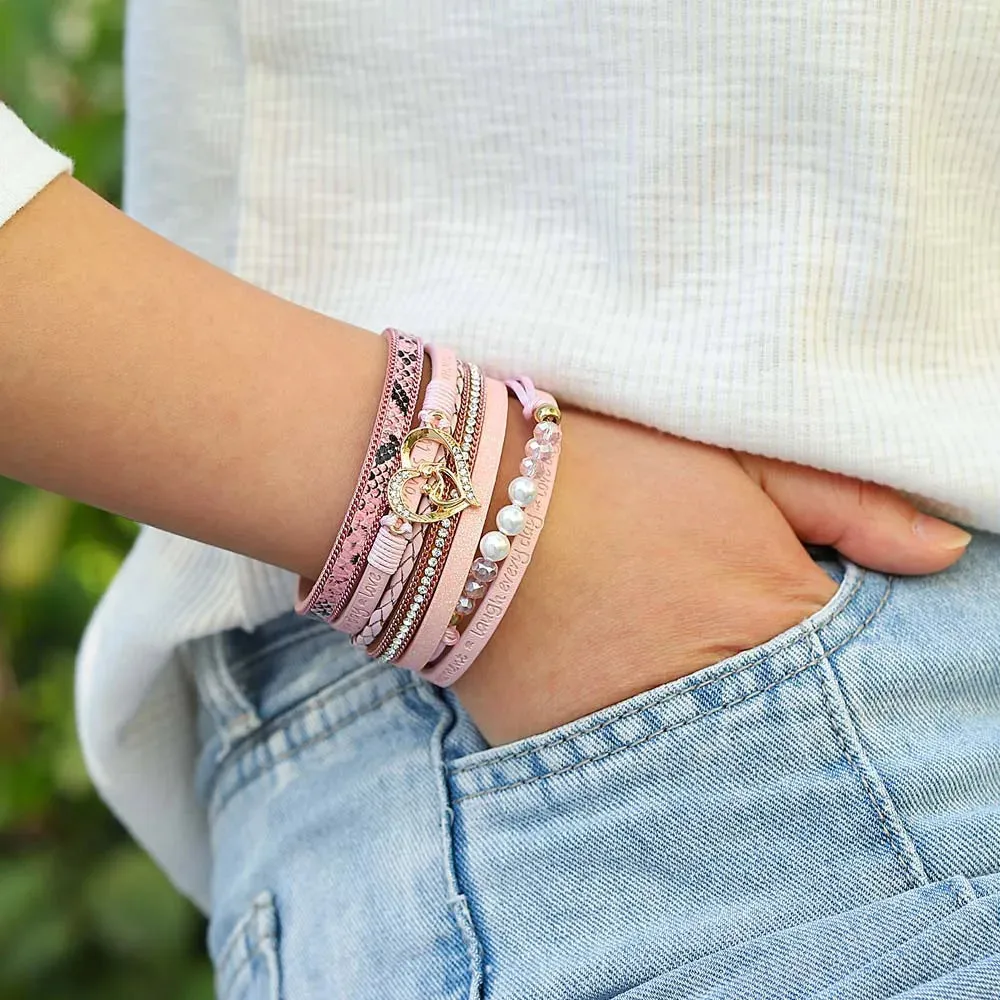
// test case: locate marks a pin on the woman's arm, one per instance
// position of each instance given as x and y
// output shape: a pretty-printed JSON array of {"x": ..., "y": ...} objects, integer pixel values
[{"x": 138, "y": 378}]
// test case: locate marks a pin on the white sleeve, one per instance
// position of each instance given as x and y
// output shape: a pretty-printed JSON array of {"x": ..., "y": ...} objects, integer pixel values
[{"x": 26, "y": 164}]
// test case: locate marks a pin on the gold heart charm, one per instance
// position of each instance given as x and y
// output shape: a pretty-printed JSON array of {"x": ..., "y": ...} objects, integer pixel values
[{"x": 449, "y": 492}]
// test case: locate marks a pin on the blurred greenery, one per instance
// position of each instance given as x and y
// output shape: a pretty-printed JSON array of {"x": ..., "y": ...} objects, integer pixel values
[{"x": 83, "y": 912}]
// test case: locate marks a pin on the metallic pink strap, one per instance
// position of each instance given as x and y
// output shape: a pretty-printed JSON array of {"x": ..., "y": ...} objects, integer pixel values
[
  {"x": 390, "y": 552},
  {"x": 458, "y": 658},
  {"x": 470, "y": 526},
  {"x": 326, "y": 598}
]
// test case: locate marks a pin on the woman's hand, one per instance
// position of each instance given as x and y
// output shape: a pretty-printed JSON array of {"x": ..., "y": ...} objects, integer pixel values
[{"x": 661, "y": 556}]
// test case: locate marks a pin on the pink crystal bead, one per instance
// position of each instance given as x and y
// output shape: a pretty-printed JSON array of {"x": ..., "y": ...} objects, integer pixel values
[
  {"x": 530, "y": 467},
  {"x": 538, "y": 451},
  {"x": 451, "y": 636},
  {"x": 484, "y": 570},
  {"x": 465, "y": 606},
  {"x": 475, "y": 588},
  {"x": 548, "y": 433}
]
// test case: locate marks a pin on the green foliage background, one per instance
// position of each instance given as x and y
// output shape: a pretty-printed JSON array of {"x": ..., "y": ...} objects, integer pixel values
[{"x": 83, "y": 913}]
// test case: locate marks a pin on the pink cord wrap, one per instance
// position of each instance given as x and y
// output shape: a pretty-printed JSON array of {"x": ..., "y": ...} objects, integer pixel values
[
  {"x": 387, "y": 550},
  {"x": 528, "y": 396}
]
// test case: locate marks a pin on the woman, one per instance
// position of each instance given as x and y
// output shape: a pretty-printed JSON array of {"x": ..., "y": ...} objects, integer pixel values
[{"x": 764, "y": 232}]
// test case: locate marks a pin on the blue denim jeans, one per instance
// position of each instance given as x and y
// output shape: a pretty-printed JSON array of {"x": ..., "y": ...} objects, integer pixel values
[{"x": 817, "y": 817}]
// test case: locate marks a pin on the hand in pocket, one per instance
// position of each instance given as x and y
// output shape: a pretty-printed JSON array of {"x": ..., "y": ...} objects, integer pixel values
[{"x": 661, "y": 556}]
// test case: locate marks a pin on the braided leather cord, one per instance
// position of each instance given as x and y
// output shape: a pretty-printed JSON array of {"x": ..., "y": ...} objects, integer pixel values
[
  {"x": 357, "y": 533},
  {"x": 393, "y": 626},
  {"x": 397, "y": 584}
]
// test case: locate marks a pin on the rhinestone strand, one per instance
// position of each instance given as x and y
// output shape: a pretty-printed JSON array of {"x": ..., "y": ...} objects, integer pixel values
[{"x": 425, "y": 589}]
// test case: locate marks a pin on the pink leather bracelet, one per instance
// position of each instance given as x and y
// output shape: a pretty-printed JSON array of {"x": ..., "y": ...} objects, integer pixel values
[
  {"x": 421, "y": 647},
  {"x": 391, "y": 546},
  {"x": 539, "y": 466},
  {"x": 325, "y": 598},
  {"x": 417, "y": 580}
]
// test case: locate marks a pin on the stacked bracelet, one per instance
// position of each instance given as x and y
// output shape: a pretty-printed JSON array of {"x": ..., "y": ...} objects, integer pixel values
[{"x": 398, "y": 576}]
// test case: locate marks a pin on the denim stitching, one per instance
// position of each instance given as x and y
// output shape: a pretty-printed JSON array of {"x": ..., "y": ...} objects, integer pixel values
[
  {"x": 669, "y": 696},
  {"x": 908, "y": 859},
  {"x": 218, "y": 805},
  {"x": 685, "y": 722},
  {"x": 254, "y": 945},
  {"x": 456, "y": 904},
  {"x": 835, "y": 680}
]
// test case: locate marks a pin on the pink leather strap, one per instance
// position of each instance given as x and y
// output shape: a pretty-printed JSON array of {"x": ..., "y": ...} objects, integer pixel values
[
  {"x": 457, "y": 658},
  {"x": 388, "y": 552},
  {"x": 470, "y": 526}
]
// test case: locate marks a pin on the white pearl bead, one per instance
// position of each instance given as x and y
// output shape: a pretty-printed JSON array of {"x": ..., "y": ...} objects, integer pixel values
[
  {"x": 522, "y": 491},
  {"x": 494, "y": 546},
  {"x": 510, "y": 519}
]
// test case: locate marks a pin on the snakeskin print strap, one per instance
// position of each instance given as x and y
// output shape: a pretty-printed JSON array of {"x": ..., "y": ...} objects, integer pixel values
[{"x": 327, "y": 596}]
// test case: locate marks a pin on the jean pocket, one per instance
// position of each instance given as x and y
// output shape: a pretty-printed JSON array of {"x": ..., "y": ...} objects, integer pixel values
[
  {"x": 643, "y": 717},
  {"x": 247, "y": 964},
  {"x": 685, "y": 820}
]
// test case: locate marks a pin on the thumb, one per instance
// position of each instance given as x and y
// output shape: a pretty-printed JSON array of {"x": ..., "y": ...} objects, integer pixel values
[{"x": 870, "y": 524}]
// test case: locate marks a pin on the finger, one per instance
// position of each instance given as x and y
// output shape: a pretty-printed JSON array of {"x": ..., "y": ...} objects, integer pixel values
[{"x": 870, "y": 524}]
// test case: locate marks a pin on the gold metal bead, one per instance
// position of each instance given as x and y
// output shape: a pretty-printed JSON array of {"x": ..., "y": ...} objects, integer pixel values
[{"x": 548, "y": 412}]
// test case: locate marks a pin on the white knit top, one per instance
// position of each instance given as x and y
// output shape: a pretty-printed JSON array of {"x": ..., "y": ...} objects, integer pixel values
[{"x": 768, "y": 226}]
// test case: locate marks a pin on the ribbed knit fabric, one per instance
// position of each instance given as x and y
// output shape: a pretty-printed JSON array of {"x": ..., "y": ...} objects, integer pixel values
[{"x": 762, "y": 225}]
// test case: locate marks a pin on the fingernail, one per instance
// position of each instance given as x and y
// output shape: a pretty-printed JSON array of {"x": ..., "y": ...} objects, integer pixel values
[{"x": 940, "y": 533}]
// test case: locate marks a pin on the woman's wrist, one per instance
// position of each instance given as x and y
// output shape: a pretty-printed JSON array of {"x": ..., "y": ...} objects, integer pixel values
[{"x": 658, "y": 558}]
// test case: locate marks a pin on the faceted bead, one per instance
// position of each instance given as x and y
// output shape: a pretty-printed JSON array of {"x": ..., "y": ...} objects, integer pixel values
[
  {"x": 465, "y": 606},
  {"x": 494, "y": 546},
  {"x": 484, "y": 570},
  {"x": 538, "y": 451},
  {"x": 548, "y": 433},
  {"x": 510, "y": 519},
  {"x": 475, "y": 589},
  {"x": 530, "y": 467},
  {"x": 522, "y": 491}
]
